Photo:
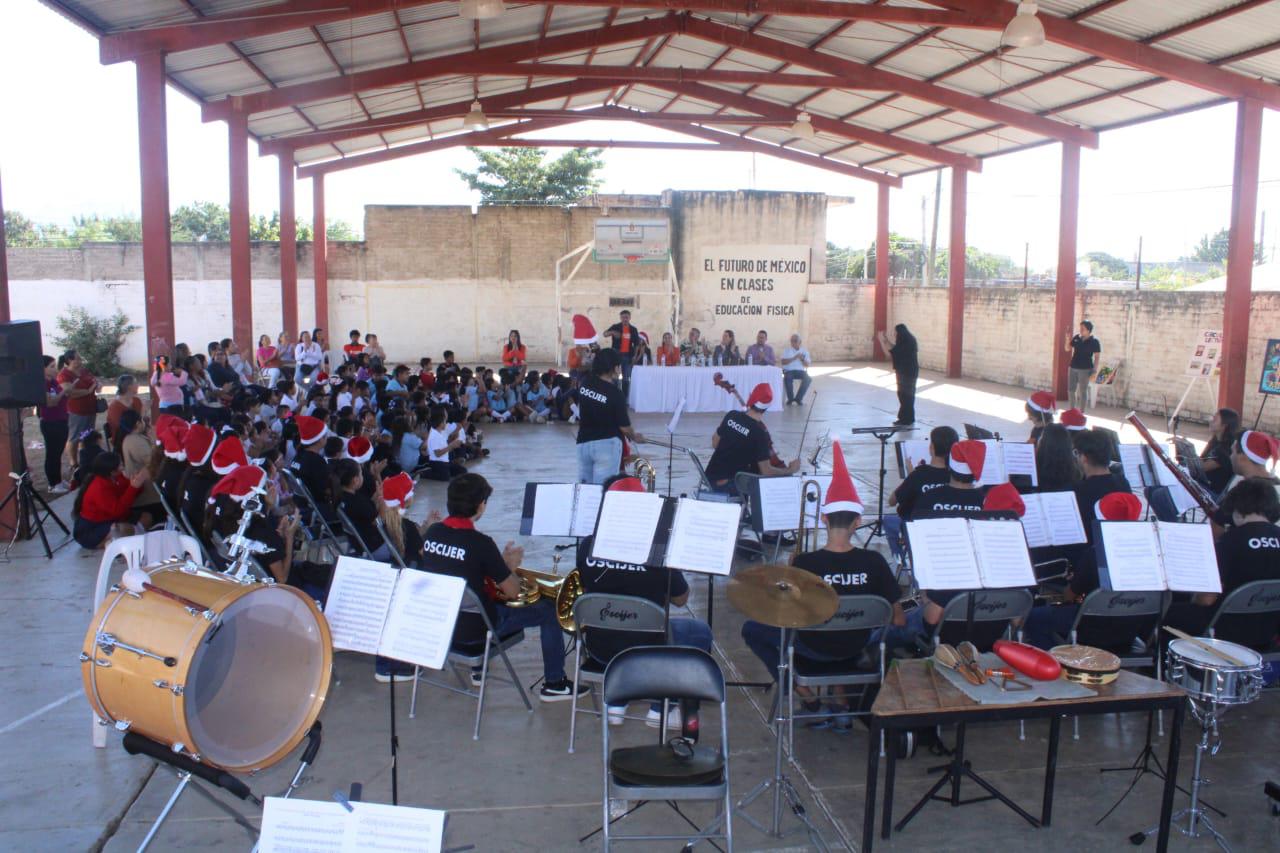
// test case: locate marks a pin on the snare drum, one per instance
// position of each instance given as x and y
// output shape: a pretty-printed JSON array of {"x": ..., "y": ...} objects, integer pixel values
[
  {"x": 233, "y": 675},
  {"x": 1210, "y": 678}
]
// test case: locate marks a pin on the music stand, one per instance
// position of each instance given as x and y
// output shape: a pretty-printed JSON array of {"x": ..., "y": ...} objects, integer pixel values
[
  {"x": 32, "y": 510},
  {"x": 876, "y": 527}
]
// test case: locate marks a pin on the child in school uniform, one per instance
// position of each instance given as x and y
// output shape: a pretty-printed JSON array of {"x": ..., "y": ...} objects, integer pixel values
[
  {"x": 441, "y": 445},
  {"x": 536, "y": 398}
]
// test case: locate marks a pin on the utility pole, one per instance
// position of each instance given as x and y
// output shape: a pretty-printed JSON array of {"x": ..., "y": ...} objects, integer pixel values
[
  {"x": 933, "y": 240},
  {"x": 1138, "y": 284}
]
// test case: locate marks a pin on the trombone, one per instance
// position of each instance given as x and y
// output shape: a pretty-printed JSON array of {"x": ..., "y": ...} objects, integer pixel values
[
  {"x": 806, "y": 537},
  {"x": 643, "y": 470}
]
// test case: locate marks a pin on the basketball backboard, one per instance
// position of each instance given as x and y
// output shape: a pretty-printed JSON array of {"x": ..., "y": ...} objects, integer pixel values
[{"x": 632, "y": 241}]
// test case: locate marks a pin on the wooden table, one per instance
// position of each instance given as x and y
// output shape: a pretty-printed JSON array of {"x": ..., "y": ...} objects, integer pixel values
[{"x": 912, "y": 696}]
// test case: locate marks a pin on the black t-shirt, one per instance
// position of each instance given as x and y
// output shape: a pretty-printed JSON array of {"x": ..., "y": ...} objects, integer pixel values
[
  {"x": 602, "y": 410},
  {"x": 467, "y": 554},
  {"x": 1220, "y": 452},
  {"x": 948, "y": 501},
  {"x": 744, "y": 444},
  {"x": 1090, "y": 490},
  {"x": 264, "y": 530},
  {"x": 195, "y": 495},
  {"x": 1083, "y": 351},
  {"x": 856, "y": 572},
  {"x": 311, "y": 469},
  {"x": 905, "y": 357},
  {"x": 923, "y": 479},
  {"x": 1248, "y": 553},
  {"x": 223, "y": 374},
  {"x": 363, "y": 515},
  {"x": 647, "y": 582}
]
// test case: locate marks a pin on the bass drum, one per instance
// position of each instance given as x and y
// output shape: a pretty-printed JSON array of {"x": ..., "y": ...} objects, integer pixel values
[{"x": 231, "y": 674}]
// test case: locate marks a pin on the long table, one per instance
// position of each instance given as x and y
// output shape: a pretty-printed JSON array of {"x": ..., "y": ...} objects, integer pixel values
[
  {"x": 912, "y": 697},
  {"x": 660, "y": 389}
]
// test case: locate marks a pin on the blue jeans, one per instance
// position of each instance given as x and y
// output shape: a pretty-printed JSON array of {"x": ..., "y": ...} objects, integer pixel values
[
  {"x": 766, "y": 642},
  {"x": 893, "y": 533},
  {"x": 599, "y": 460},
  {"x": 789, "y": 377},
  {"x": 543, "y": 617}
]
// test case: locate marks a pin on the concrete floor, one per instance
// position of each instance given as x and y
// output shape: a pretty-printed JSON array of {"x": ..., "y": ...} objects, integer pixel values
[{"x": 516, "y": 788}]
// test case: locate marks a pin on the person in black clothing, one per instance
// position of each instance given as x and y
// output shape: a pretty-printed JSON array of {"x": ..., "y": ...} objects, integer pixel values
[
  {"x": 1056, "y": 467},
  {"x": 310, "y": 467},
  {"x": 849, "y": 570},
  {"x": 1040, "y": 407},
  {"x": 650, "y": 582},
  {"x": 1094, "y": 452},
  {"x": 905, "y": 353},
  {"x": 1215, "y": 459},
  {"x": 741, "y": 444},
  {"x": 625, "y": 341},
  {"x": 1248, "y": 551},
  {"x": 455, "y": 547},
  {"x": 926, "y": 477},
  {"x": 602, "y": 421},
  {"x": 199, "y": 477},
  {"x": 360, "y": 509},
  {"x": 1085, "y": 350},
  {"x": 961, "y": 497}
]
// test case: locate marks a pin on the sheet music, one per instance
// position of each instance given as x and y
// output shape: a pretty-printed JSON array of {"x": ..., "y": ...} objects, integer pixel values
[
  {"x": 942, "y": 554},
  {"x": 1034, "y": 524},
  {"x": 586, "y": 509},
  {"x": 628, "y": 522},
  {"x": 1001, "y": 548},
  {"x": 419, "y": 625},
  {"x": 1190, "y": 561},
  {"x": 1182, "y": 499},
  {"x": 357, "y": 604},
  {"x": 313, "y": 826},
  {"x": 1132, "y": 457},
  {"x": 993, "y": 470},
  {"x": 914, "y": 451},
  {"x": 552, "y": 509},
  {"x": 1062, "y": 516},
  {"x": 779, "y": 503},
  {"x": 1133, "y": 556},
  {"x": 1020, "y": 458},
  {"x": 675, "y": 416},
  {"x": 301, "y": 826},
  {"x": 704, "y": 536}
]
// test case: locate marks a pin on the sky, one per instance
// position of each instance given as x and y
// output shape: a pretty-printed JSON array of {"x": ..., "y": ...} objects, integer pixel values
[{"x": 68, "y": 146}]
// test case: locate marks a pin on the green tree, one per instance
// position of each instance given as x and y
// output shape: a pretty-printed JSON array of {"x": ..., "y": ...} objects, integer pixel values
[
  {"x": 112, "y": 229},
  {"x": 96, "y": 339},
  {"x": 1212, "y": 248},
  {"x": 262, "y": 228},
  {"x": 337, "y": 230},
  {"x": 1102, "y": 265},
  {"x": 19, "y": 230},
  {"x": 202, "y": 221},
  {"x": 523, "y": 175}
]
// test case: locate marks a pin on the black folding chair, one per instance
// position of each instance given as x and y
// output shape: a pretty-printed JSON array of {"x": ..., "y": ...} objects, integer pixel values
[
  {"x": 1250, "y": 616},
  {"x": 396, "y": 556},
  {"x": 994, "y": 611},
  {"x": 355, "y": 541},
  {"x": 314, "y": 525}
]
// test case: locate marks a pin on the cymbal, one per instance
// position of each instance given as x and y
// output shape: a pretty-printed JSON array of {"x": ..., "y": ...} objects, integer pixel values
[{"x": 782, "y": 596}]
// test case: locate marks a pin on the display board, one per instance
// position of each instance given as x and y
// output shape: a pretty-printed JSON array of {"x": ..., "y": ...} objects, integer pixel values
[
  {"x": 1206, "y": 355},
  {"x": 1270, "y": 382}
]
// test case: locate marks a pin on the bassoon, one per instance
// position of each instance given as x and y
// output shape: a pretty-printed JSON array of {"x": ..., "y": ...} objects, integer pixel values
[{"x": 1197, "y": 491}]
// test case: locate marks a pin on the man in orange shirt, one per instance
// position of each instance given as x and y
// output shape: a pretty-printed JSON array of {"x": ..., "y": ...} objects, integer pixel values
[{"x": 626, "y": 340}]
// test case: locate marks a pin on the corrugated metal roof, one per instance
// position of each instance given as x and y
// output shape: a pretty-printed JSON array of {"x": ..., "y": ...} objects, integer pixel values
[{"x": 1062, "y": 82}]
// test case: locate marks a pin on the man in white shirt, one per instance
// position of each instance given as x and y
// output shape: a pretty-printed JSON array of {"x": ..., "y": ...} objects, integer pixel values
[{"x": 795, "y": 364}]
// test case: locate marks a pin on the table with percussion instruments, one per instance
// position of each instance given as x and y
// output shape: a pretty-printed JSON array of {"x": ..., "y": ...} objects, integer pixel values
[
  {"x": 660, "y": 389},
  {"x": 914, "y": 696}
]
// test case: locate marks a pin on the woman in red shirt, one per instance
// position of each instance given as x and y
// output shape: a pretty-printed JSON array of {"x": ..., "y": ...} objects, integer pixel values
[
  {"x": 514, "y": 355},
  {"x": 105, "y": 499},
  {"x": 668, "y": 355}
]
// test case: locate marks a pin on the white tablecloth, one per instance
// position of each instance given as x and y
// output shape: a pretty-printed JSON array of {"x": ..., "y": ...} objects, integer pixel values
[{"x": 659, "y": 389}]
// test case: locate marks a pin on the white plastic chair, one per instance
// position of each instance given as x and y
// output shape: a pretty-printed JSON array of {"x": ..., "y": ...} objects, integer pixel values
[{"x": 137, "y": 551}]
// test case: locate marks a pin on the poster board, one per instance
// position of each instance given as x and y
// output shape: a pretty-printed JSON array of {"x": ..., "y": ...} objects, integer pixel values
[
  {"x": 1270, "y": 381},
  {"x": 747, "y": 288},
  {"x": 1206, "y": 354},
  {"x": 1106, "y": 374}
]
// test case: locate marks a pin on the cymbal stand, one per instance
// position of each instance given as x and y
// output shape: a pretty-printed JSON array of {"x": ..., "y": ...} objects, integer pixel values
[{"x": 782, "y": 722}]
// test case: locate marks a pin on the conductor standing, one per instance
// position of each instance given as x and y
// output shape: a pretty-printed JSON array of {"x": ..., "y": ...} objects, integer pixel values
[{"x": 905, "y": 353}]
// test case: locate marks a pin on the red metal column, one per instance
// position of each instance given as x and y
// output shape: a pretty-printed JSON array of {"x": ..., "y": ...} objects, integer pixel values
[
  {"x": 955, "y": 273},
  {"x": 1244, "y": 207},
  {"x": 241, "y": 273},
  {"x": 4, "y": 272},
  {"x": 1064, "y": 307},
  {"x": 320, "y": 253},
  {"x": 13, "y": 458},
  {"x": 153, "y": 156},
  {"x": 881, "y": 309},
  {"x": 288, "y": 249}
]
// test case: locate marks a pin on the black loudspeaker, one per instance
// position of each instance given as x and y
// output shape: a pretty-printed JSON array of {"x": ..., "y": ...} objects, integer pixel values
[{"x": 21, "y": 365}]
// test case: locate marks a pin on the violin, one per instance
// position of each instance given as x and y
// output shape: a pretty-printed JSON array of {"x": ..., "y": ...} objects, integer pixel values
[{"x": 724, "y": 384}]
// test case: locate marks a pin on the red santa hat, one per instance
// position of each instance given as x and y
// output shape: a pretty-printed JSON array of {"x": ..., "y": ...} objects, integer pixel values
[
  {"x": 761, "y": 397},
  {"x": 1118, "y": 506},
  {"x": 644, "y": 336},
  {"x": 310, "y": 430},
  {"x": 1074, "y": 420},
  {"x": 228, "y": 455},
  {"x": 1004, "y": 498},
  {"x": 583, "y": 332},
  {"x": 360, "y": 449},
  {"x": 198, "y": 444},
  {"x": 1259, "y": 446},
  {"x": 170, "y": 433},
  {"x": 841, "y": 494},
  {"x": 240, "y": 484},
  {"x": 1043, "y": 401},
  {"x": 397, "y": 490},
  {"x": 627, "y": 484},
  {"x": 968, "y": 457}
]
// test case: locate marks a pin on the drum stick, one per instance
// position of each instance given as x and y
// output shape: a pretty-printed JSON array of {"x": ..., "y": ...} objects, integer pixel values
[
  {"x": 1211, "y": 649},
  {"x": 173, "y": 596}
]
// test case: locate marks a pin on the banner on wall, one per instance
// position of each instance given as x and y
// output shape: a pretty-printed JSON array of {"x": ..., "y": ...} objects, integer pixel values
[
  {"x": 746, "y": 289},
  {"x": 1270, "y": 382}
]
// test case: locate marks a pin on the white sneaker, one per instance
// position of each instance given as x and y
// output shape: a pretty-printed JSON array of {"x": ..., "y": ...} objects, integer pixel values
[
  {"x": 673, "y": 718},
  {"x": 617, "y": 715},
  {"x": 60, "y": 489},
  {"x": 573, "y": 419}
]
